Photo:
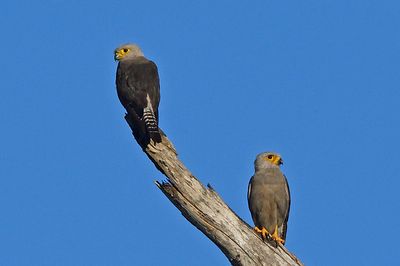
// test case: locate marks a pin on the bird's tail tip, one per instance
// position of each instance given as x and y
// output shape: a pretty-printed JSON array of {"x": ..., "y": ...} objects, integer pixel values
[{"x": 155, "y": 136}]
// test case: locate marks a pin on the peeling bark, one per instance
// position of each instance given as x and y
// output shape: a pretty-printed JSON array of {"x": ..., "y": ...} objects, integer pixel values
[{"x": 205, "y": 209}]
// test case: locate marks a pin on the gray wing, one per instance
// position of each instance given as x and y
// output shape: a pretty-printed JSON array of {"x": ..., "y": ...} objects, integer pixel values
[
  {"x": 138, "y": 89},
  {"x": 248, "y": 193},
  {"x": 137, "y": 80},
  {"x": 284, "y": 226},
  {"x": 269, "y": 200}
]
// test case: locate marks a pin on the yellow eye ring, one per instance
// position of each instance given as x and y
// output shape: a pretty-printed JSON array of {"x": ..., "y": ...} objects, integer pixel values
[{"x": 270, "y": 157}]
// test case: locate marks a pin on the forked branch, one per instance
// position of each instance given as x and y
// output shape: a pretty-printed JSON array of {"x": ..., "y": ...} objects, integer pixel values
[{"x": 205, "y": 209}]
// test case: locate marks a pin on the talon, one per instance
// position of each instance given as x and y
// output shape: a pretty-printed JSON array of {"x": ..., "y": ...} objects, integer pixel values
[
  {"x": 264, "y": 232},
  {"x": 276, "y": 237}
]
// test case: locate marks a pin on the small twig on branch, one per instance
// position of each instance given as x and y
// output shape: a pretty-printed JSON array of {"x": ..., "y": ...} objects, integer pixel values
[{"x": 205, "y": 209}]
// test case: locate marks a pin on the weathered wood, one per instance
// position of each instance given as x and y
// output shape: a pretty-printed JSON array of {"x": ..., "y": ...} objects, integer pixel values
[{"x": 205, "y": 209}]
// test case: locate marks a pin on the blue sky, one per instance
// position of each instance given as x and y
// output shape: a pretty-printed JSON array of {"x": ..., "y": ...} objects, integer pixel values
[{"x": 317, "y": 81}]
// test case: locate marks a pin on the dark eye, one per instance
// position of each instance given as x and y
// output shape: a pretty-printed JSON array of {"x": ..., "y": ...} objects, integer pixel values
[
  {"x": 125, "y": 50},
  {"x": 270, "y": 157}
]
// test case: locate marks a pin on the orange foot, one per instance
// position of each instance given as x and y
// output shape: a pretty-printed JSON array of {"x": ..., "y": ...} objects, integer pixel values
[
  {"x": 263, "y": 231},
  {"x": 276, "y": 237}
]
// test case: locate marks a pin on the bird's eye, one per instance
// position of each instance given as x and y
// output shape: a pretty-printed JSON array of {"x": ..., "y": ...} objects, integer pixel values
[
  {"x": 125, "y": 50},
  {"x": 269, "y": 157}
]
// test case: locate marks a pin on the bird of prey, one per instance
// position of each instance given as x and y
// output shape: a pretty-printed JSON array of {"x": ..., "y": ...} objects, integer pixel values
[
  {"x": 269, "y": 197},
  {"x": 138, "y": 88}
]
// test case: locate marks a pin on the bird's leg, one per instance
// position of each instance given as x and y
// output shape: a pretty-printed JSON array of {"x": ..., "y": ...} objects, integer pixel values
[
  {"x": 276, "y": 237},
  {"x": 264, "y": 232}
]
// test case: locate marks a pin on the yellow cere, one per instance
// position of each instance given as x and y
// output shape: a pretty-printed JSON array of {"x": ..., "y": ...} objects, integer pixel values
[
  {"x": 275, "y": 159},
  {"x": 119, "y": 54}
]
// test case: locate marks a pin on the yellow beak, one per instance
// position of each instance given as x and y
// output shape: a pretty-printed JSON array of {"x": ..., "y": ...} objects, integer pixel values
[{"x": 118, "y": 55}]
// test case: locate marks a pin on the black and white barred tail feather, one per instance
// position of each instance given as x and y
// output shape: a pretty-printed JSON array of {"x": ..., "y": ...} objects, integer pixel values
[{"x": 150, "y": 122}]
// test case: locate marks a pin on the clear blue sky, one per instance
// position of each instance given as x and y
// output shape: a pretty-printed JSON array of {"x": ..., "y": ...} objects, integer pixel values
[{"x": 317, "y": 81}]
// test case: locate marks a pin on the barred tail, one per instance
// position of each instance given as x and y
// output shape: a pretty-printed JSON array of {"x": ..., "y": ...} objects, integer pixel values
[{"x": 150, "y": 122}]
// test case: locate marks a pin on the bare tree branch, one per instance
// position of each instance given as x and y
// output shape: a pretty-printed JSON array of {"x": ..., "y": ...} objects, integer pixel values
[{"x": 205, "y": 209}]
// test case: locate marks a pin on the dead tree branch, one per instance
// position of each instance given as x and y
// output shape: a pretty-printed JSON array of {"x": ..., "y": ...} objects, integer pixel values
[{"x": 205, "y": 209}]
